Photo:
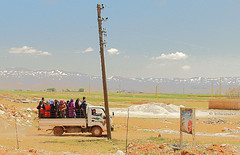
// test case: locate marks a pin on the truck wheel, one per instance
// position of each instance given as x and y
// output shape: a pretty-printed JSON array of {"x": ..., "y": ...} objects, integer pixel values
[
  {"x": 58, "y": 131},
  {"x": 96, "y": 131}
]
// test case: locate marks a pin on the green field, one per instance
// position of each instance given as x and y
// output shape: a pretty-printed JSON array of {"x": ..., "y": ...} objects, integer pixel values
[{"x": 119, "y": 100}]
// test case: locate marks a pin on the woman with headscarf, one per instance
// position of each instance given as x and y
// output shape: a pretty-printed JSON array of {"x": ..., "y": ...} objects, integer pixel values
[
  {"x": 47, "y": 110},
  {"x": 71, "y": 107},
  {"x": 56, "y": 102},
  {"x": 62, "y": 108},
  {"x": 67, "y": 110},
  {"x": 77, "y": 108},
  {"x": 53, "y": 109}
]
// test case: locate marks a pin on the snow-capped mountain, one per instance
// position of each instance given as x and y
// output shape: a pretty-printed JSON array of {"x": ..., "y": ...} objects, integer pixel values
[{"x": 19, "y": 78}]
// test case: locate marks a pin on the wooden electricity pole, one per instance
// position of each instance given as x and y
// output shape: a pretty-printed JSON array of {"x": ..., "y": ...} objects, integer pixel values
[
  {"x": 220, "y": 87},
  {"x": 119, "y": 88},
  {"x": 157, "y": 90},
  {"x": 16, "y": 130},
  {"x": 212, "y": 90},
  {"x": 100, "y": 19},
  {"x": 89, "y": 87}
]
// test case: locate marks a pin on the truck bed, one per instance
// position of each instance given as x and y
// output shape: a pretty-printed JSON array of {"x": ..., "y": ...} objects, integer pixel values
[{"x": 50, "y": 123}]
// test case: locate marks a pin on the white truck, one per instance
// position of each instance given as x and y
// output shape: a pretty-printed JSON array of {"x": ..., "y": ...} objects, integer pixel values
[{"x": 94, "y": 123}]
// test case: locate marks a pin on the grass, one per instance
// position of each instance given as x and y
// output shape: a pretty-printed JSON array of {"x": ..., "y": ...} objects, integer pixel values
[
  {"x": 120, "y": 100},
  {"x": 157, "y": 140},
  {"x": 84, "y": 145}
]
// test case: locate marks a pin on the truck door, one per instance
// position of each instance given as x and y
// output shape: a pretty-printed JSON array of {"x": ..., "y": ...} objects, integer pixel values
[{"x": 97, "y": 118}]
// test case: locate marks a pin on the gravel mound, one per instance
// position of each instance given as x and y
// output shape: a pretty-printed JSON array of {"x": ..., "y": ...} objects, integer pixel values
[{"x": 152, "y": 110}]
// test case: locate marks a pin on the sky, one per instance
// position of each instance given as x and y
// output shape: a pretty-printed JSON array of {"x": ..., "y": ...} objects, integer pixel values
[{"x": 145, "y": 38}]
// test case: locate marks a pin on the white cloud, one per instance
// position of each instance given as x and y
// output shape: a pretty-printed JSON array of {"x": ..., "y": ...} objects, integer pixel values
[
  {"x": 113, "y": 51},
  {"x": 171, "y": 56},
  {"x": 89, "y": 49},
  {"x": 27, "y": 50},
  {"x": 186, "y": 67}
]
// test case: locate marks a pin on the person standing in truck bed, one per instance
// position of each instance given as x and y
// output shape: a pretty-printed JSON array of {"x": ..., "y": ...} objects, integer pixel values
[
  {"x": 67, "y": 110},
  {"x": 84, "y": 107},
  {"x": 56, "y": 107},
  {"x": 41, "y": 108},
  {"x": 62, "y": 108},
  {"x": 53, "y": 109},
  {"x": 71, "y": 109},
  {"x": 47, "y": 113},
  {"x": 77, "y": 108}
]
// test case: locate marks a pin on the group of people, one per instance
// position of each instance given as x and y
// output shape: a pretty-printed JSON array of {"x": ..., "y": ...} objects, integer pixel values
[{"x": 62, "y": 109}]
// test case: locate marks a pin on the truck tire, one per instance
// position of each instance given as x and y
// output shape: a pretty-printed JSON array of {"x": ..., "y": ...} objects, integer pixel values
[
  {"x": 96, "y": 131},
  {"x": 58, "y": 131}
]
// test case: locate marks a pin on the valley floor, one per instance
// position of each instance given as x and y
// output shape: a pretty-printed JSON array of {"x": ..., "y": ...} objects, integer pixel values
[{"x": 217, "y": 131}]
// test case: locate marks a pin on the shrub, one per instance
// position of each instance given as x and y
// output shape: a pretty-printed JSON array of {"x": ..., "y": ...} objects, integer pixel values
[
  {"x": 81, "y": 90},
  {"x": 51, "y": 89}
]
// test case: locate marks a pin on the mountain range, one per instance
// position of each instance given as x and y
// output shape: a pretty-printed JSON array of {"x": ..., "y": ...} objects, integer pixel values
[{"x": 25, "y": 79}]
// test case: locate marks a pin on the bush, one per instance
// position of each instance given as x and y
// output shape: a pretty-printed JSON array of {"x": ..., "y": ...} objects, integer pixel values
[
  {"x": 51, "y": 89},
  {"x": 81, "y": 90}
]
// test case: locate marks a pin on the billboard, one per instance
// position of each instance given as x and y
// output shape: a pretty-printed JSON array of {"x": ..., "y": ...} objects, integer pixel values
[{"x": 187, "y": 120}]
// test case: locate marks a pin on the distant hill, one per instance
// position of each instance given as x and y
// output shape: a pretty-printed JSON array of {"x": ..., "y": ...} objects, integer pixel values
[{"x": 25, "y": 79}]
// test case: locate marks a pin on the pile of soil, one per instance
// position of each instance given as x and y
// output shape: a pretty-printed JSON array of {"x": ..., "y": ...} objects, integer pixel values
[
  {"x": 9, "y": 151},
  {"x": 149, "y": 148},
  {"x": 221, "y": 149},
  {"x": 8, "y": 114}
]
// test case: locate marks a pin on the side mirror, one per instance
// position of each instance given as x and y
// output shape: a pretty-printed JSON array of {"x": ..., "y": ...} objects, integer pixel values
[{"x": 112, "y": 114}]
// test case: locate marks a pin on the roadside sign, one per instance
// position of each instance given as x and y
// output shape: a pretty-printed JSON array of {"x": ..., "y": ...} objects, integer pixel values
[
  {"x": 186, "y": 120},
  {"x": 187, "y": 123}
]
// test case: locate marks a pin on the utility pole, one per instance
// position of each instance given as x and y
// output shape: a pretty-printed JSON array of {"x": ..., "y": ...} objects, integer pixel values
[
  {"x": 16, "y": 129},
  {"x": 89, "y": 86},
  {"x": 119, "y": 88},
  {"x": 102, "y": 43},
  {"x": 212, "y": 90},
  {"x": 220, "y": 87}
]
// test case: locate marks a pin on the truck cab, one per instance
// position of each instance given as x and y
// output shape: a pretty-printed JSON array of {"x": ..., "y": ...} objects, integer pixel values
[{"x": 97, "y": 119}]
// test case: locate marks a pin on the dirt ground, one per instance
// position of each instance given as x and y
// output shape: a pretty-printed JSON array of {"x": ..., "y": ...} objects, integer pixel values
[{"x": 222, "y": 130}]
